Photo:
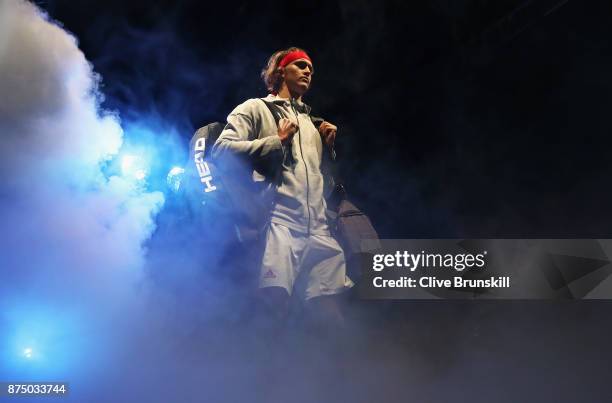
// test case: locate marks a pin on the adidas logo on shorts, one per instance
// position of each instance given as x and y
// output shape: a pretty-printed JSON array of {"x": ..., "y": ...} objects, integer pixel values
[{"x": 270, "y": 274}]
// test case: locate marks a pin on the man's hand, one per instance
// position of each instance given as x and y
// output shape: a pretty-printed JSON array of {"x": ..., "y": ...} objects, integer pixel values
[
  {"x": 286, "y": 130},
  {"x": 328, "y": 132}
]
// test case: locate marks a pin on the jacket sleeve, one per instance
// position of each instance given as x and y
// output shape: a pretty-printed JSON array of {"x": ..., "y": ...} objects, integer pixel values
[{"x": 240, "y": 136}]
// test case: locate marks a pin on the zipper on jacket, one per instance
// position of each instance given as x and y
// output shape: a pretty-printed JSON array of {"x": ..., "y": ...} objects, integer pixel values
[{"x": 305, "y": 165}]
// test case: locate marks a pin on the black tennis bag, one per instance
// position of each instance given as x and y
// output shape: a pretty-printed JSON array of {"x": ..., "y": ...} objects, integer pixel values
[
  {"x": 223, "y": 189},
  {"x": 224, "y": 186}
]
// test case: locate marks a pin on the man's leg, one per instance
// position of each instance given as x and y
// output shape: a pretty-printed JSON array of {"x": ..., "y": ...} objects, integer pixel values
[
  {"x": 278, "y": 272},
  {"x": 276, "y": 303},
  {"x": 324, "y": 313},
  {"x": 326, "y": 281}
]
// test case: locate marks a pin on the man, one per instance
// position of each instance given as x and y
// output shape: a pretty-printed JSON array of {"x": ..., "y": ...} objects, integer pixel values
[{"x": 300, "y": 255}]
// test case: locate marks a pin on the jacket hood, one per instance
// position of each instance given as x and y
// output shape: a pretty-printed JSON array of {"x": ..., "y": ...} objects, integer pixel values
[{"x": 301, "y": 106}]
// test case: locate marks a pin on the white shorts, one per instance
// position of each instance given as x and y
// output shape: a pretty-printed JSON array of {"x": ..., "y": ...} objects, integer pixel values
[{"x": 314, "y": 264}]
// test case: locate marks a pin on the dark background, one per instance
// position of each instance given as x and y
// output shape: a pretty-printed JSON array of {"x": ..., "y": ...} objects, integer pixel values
[{"x": 456, "y": 118}]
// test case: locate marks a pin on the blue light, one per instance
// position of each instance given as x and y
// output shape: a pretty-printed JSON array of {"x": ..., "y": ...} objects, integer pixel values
[
  {"x": 151, "y": 146},
  {"x": 127, "y": 163},
  {"x": 176, "y": 171},
  {"x": 134, "y": 167},
  {"x": 38, "y": 341},
  {"x": 174, "y": 178},
  {"x": 27, "y": 352},
  {"x": 140, "y": 174}
]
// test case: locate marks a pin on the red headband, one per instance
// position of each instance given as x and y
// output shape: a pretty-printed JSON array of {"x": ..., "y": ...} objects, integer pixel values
[{"x": 293, "y": 56}]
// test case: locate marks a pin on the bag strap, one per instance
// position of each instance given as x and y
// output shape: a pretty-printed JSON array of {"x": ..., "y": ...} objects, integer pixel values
[
  {"x": 274, "y": 110},
  {"x": 276, "y": 113}
]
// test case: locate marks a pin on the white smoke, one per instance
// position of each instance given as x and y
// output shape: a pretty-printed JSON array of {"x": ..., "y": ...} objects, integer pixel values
[
  {"x": 71, "y": 237},
  {"x": 57, "y": 203}
]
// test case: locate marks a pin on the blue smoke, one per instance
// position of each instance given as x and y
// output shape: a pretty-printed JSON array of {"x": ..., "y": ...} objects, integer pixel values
[
  {"x": 74, "y": 225},
  {"x": 98, "y": 252}
]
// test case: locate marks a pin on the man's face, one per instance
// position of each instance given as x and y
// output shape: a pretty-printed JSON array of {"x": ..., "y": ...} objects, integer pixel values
[{"x": 298, "y": 75}]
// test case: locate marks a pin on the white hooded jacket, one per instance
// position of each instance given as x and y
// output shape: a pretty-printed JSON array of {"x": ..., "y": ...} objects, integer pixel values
[{"x": 293, "y": 172}]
